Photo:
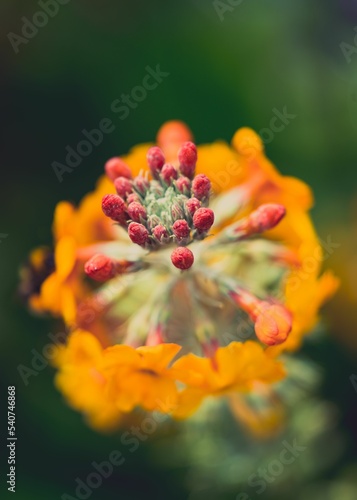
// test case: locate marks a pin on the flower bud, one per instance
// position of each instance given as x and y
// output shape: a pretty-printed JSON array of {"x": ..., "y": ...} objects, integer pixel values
[
  {"x": 177, "y": 212},
  {"x": 141, "y": 184},
  {"x": 187, "y": 157},
  {"x": 156, "y": 159},
  {"x": 203, "y": 219},
  {"x": 123, "y": 186},
  {"x": 138, "y": 233},
  {"x": 153, "y": 221},
  {"x": 264, "y": 217},
  {"x": 273, "y": 323},
  {"x": 136, "y": 211},
  {"x": 183, "y": 184},
  {"x": 161, "y": 233},
  {"x": 182, "y": 258},
  {"x": 168, "y": 173},
  {"x": 132, "y": 197},
  {"x": 116, "y": 167},
  {"x": 181, "y": 229},
  {"x": 201, "y": 186},
  {"x": 192, "y": 205},
  {"x": 100, "y": 268},
  {"x": 114, "y": 207}
]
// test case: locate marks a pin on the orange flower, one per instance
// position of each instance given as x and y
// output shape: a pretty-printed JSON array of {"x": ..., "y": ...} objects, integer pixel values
[
  {"x": 234, "y": 368},
  {"x": 141, "y": 377},
  {"x": 82, "y": 381},
  {"x": 247, "y": 173},
  {"x": 253, "y": 265},
  {"x": 78, "y": 234},
  {"x": 59, "y": 290}
]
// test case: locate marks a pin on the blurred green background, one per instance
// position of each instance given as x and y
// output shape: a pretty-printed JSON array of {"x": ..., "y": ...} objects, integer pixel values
[{"x": 229, "y": 66}]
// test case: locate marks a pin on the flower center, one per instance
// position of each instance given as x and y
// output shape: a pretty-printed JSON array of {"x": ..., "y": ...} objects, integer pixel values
[
  {"x": 172, "y": 207},
  {"x": 166, "y": 207}
]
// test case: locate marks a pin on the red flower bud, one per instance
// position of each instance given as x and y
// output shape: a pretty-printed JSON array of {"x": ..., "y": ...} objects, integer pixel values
[
  {"x": 100, "y": 268},
  {"x": 136, "y": 211},
  {"x": 203, "y": 219},
  {"x": 265, "y": 217},
  {"x": 181, "y": 229},
  {"x": 161, "y": 233},
  {"x": 116, "y": 167},
  {"x": 123, "y": 186},
  {"x": 132, "y": 197},
  {"x": 177, "y": 211},
  {"x": 138, "y": 233},
  {"x": 187, "y": 157},
  {"x": 156, "y": 159},
  {"x": 141, "y": 184},
  {"x": 192, "y": 205},
  {"x": 201, "y": 186},
  {"x": 114, "y": 207},
  {"x": 183, "y": 184},
  {"x": 273, "y": 323},
  {"x": 168, "y": 173},
  {"x": 182, "y": 258}
]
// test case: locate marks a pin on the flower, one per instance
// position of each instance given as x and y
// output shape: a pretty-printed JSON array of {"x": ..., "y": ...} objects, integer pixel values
[
  {"x": 234, "y": 368},
  {"x": 105, "y": 383},
  {"x": 82, "y": 381},
  {"x": 184, "y": 274},
  {"x": 78, "y": 234},
  {"x": 141, "y": 377}
]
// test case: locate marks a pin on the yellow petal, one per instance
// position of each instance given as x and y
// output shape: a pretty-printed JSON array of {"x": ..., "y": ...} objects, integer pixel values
[
  {"x": 64, "y": 213},
  {"x": 65, "y": 256},
  {"x": 157, "y": 357}
]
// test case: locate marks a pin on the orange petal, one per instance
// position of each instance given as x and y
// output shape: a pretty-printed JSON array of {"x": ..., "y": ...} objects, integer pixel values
[{"x": 65, "y": 257}]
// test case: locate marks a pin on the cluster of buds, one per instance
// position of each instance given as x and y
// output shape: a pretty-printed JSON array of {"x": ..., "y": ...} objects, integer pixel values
[{"x": 168, "y": 207}]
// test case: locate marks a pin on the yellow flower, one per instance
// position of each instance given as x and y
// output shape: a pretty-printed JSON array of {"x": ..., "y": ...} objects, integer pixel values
[
  {"x": 82, "y": 381},
  {"x": 59, "y": 290},
  {"x": 87, "y": 223},
  {"x": 78, "y": 234},
  {"x": 234, "y": 368},
  {"x": 305, "y": 290},
  {"x": 104, "y": 383},
  {"x": 246, "y": 165},
  {"x": 255, "y": 278},
  {"x": 141, "y": 377}
]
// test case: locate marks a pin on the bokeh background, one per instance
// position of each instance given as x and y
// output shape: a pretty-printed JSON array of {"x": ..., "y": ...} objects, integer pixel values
[{"x": 225, "y": 71}]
